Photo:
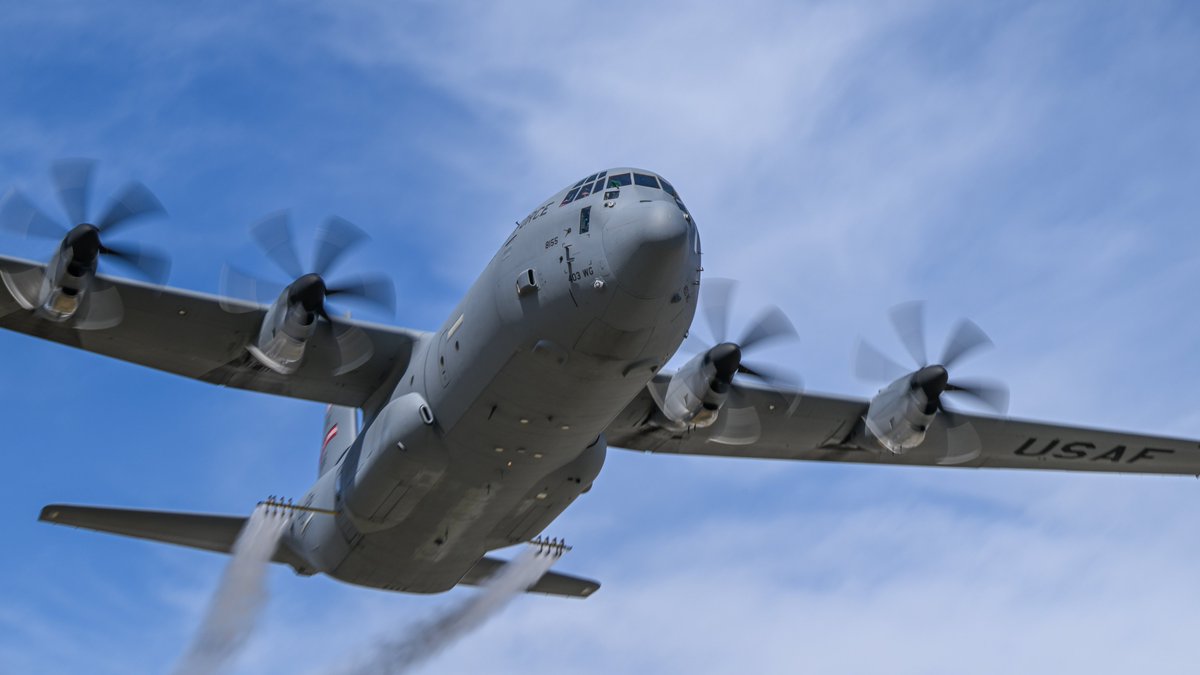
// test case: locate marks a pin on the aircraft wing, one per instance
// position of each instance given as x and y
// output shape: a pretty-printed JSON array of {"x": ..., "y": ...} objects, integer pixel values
[
  {"x": 818, "y": 426},
  {"x": 189, "y": 334}
]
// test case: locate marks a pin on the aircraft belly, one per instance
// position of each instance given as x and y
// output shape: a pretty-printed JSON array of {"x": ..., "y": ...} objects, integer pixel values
[
  {"x": 440, "y": 541},
  {"x": 478, "y": 506},
  {"x": 522, "y": 380}
]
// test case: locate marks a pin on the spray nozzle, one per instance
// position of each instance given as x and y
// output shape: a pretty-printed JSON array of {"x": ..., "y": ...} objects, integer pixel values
[{"x": 555, "y": 547}]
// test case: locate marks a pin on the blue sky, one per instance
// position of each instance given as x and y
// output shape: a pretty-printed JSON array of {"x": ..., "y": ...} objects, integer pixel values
[{"x": 1030, "y": 165}]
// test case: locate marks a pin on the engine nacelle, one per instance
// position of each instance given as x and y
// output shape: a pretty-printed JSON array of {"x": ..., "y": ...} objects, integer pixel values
[
  {"x": 66, "y": 285},
  {"x": 694, "y": 396},
  {"x": 898, "y": 417},
  {"x": 392, "y": 465},
  {"x": 58, "y": 293},
  {"x": 285, "y": 332}
]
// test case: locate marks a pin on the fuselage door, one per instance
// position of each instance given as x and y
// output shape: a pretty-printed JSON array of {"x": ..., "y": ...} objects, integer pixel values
[{"x": 577, "y": 255}]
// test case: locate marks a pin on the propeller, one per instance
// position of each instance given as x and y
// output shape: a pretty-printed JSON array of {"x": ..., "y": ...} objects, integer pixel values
[
  {"x": 738, "y": 422},
  {"x": 311, "y": 289},
  {"x": 966, "y": 338},
  {"x": 88, "y": 239}
]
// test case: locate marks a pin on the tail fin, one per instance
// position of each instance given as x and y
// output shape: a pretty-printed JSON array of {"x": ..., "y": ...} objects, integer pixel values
[{"x": 341, "y": 428}]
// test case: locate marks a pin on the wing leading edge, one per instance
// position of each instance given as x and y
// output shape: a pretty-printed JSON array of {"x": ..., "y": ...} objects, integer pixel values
[
  {"x": 818, "y": 426},
  {"x": 189, "y": 334}
]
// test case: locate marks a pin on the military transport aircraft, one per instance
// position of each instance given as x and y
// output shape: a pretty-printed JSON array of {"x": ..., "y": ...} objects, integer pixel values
[{"x": 478, "y": 435}]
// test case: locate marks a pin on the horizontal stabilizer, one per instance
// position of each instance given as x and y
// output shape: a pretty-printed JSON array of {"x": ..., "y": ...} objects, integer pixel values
[
  {"x": 208, "y": 532},
  {"x": 551, "y": 583}
]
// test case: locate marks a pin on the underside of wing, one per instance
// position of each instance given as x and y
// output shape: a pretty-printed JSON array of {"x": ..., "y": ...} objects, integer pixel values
[
  {"x": 828, "y": 428},
  {"x": 195, "y": 335}
]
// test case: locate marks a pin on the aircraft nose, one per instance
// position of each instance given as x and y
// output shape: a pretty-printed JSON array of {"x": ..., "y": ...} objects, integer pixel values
[{"x": 647, "y": 248}]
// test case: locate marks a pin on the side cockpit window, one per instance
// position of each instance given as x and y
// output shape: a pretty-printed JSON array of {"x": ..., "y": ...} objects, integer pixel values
[
  {"x": 585, "y": 188},
  {"x": 670, "y": 189}
]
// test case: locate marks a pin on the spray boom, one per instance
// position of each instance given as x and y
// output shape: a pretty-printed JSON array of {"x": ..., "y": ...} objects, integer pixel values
[{"x": 554, "y": 547}]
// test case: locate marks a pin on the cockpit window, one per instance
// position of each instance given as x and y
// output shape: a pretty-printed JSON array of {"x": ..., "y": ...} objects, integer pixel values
[
  {"x": 619, "y": 180},
  {"x": 645, "y": 180},
  {"x": 670, "y": 189},
  {"x": 585, "y": 187}
]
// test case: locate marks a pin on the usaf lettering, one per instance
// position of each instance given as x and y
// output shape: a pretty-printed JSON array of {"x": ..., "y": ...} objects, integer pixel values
[{"x": 1088, "y": 451}]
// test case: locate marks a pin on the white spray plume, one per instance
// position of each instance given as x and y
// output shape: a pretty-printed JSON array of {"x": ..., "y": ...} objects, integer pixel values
[
  {"x": 400, "y": 655},
  {"x": 239, "y": 598}
]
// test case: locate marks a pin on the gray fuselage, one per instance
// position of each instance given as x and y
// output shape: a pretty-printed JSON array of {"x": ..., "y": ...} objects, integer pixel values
[{"x": 497, "y": 425}]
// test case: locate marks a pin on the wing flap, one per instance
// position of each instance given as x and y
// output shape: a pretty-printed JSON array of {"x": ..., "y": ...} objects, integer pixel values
[{"x": 551, "y": 583}]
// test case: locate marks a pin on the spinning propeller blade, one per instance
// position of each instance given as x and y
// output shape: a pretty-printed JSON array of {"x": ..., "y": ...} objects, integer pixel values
[
  {"x": 908, "y": 320},
  {"x": 310, "y": 290},
  {"x": 149, "y": 263},
  {"x": 738, "y": 422},
  {"x": 273, "y": 235},
  {"x": 376, "y": 290},
  {"x": 19, "y": 216},
  {"x": 336, "y": 236},
  {"x": 73, "y": 182},
  {"x": 966, "y": 338},
  {"x": 872, "y": 365},
  {"x": 135, "y": 201},
  {"x": 987, "y": 393},
  {"x": 716, "y": 295}
]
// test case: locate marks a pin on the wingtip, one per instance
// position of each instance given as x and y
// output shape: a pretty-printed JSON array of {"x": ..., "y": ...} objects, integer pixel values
[{"x": 50, "y": 513}]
